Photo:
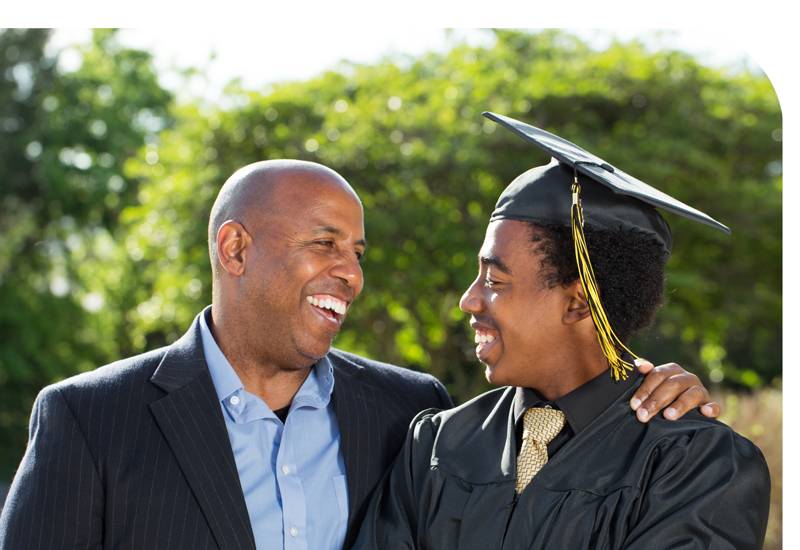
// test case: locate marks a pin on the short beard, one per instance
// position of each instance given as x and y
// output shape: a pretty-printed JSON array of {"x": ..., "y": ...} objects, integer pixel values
[{"x": 312, "y": 357}]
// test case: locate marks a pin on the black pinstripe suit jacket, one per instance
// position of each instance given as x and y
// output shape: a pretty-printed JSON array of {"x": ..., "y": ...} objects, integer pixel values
[{"x": 136, "y": 454}]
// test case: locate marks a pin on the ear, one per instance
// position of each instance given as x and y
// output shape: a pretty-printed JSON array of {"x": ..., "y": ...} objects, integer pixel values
[
  {"x": 232, "y": 243},
  {"x": 578, "y": 306}
]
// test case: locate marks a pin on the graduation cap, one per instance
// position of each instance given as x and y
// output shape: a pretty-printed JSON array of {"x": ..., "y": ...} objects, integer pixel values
[{"x": 614, "y": 200}]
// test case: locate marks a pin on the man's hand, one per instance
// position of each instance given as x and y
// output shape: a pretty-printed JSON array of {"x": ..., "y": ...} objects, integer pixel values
[{"x": 670, "y": 385}]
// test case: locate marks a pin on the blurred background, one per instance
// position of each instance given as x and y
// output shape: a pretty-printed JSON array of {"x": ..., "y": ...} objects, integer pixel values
[{"x": 115, "y": 144}]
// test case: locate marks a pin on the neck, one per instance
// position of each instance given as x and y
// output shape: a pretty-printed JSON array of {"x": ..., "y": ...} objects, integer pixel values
[
  {"x": 571, "y": 369},
  {"x": 274, "y": 385}
]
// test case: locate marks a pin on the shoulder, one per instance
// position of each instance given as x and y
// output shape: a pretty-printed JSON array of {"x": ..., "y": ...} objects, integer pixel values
[
  {"x": 483, "y": 410},
  {"x": 470, "y": 442},
  {"x": 107, "y": 379},
  {"x": 476, "y": 421},
  {"x": 481, "y": 406},
  {"x": 695, "y": 427},
  {"x": 694, "y": 441},
  {"x": 377, "y": 370},
  {"x": 695, "y": 470},
  {"x": 407, "y": 390}
]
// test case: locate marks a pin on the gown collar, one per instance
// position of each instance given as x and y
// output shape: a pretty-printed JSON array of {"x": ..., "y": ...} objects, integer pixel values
[{"x": 581, "y": 405}]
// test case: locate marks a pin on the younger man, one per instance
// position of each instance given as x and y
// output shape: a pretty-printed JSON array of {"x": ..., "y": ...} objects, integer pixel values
[{"x": 557, "y": 459}]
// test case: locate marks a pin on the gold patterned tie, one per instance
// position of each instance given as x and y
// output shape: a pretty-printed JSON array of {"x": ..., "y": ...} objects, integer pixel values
[{"x": 540, "y": 427}]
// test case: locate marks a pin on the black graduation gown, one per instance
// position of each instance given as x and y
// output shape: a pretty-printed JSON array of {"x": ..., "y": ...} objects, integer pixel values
[{"x": 692, "y": 483}]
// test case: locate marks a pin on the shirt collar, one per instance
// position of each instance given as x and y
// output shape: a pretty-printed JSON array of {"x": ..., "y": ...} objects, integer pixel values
[
  {"x": 226, "y": 381},
  {"x": 315, "y": 392},
  {"x": 581, "y": 405}
]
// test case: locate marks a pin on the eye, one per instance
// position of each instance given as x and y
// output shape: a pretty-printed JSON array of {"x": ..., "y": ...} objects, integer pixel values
[
  {"x": 489, "y": 282},
  {"x": 360, "y": 256}
]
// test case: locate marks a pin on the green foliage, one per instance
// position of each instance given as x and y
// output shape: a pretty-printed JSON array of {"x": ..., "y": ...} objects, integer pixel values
[
  {"x": 63, "y": 140},
  {"x": 428, "y": 167}
]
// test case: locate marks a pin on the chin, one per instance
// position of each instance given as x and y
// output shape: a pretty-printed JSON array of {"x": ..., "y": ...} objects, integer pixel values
[
  {"x": 313, "y": 350},
  {"x": 314, "y": 353},
  {"x": 493, "y": 378},
  {"x": 499, "y": 376}
]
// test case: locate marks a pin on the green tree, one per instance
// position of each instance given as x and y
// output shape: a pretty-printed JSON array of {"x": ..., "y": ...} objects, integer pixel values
[
  {"x": 63, "y": 140},
  {"x": 429, "y": 168}
]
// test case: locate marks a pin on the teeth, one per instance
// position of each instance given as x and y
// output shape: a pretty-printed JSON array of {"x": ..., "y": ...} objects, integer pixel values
[
  {"x": 328, "y": 303},
  {"x": 483, "y": 338}
]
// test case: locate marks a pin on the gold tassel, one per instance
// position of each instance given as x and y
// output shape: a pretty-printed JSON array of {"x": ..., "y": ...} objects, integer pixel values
[{"x": 611, "y": 345}]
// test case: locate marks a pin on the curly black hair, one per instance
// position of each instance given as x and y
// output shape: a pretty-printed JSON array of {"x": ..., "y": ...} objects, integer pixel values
[{"x": 628, "y": 266}]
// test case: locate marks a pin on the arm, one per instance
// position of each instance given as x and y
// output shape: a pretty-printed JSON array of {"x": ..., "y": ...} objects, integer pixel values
[
  {"x": 670, "y": 385},
  {"x": 57, "y": 498},
  {"x": 445, "y": 402},
  {"x": 710, "y": 491}
]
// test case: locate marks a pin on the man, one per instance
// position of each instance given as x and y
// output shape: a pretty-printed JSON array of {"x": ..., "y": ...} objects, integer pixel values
[
  {"x": 558, "y": 460},
  {"x": 249, "y": 431}
]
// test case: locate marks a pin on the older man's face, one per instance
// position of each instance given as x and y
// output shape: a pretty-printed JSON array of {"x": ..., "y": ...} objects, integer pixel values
[{"x": 304, "y": 273}]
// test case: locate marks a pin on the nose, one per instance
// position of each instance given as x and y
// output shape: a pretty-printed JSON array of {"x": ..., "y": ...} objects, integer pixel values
[
  {"x": 471, "y": 302},
  {"x": 348, "y": 269}
]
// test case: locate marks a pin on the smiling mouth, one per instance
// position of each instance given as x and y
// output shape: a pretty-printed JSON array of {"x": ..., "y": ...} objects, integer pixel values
[
  {"x": 329, "y": 307},
  {"x": 485, "y": 340}
]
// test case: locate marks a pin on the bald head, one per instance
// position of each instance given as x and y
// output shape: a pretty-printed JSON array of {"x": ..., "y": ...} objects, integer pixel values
[
  {"x": 255, "y": 193},
  {"x": 283, "y": 233}
]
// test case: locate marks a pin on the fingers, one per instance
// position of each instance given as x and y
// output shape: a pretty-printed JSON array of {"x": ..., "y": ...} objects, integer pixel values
[
  {"x": 655, "y": 376},
  {"x": 643, "y": 365},
  {"x": 669, "y": 386},
  {"x": 690, "y": 399},
  {"x": 711, "y": 410}
]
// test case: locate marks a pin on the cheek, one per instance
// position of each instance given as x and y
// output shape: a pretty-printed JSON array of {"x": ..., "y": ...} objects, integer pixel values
[
  {"x": 525, "y": 317},
  {"x": 299, "y": 270}
]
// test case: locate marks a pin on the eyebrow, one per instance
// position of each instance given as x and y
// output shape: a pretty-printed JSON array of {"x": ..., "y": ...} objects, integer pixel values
[
  {"x": 497, "y": 262},
  {"x": 339, "y": 233}
]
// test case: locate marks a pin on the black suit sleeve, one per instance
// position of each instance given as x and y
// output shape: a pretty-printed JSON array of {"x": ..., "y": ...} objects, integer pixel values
[
  {"x": 445, "y": 401},
  {"x": 57, "y": 498}
]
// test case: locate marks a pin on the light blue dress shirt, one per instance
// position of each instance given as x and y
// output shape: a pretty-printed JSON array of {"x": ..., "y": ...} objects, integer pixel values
[{"x": 292, "y": 475}]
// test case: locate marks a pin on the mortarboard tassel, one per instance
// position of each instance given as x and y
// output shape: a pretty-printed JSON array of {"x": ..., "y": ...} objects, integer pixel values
[{"x": 611, "y": 345}]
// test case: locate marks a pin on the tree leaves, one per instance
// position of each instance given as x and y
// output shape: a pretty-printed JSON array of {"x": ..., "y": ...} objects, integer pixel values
[{"x": 111, "y": 207}]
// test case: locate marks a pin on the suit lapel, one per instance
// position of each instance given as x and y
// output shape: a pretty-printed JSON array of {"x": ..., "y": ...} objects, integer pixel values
[
  {"x": 364, "y": 443},
  {"x": 191, "y": 421}
]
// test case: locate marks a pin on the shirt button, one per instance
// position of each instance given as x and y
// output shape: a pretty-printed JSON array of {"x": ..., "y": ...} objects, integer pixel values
[
  {"x": 548, "y": 407},
  {"x": 286, "y": 471},
  {"x": 293, "y": 531},
  {"x": 234, "y": 400}
]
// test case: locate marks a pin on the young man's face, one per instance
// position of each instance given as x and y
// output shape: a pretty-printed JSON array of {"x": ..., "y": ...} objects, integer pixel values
[{"x": 517, "y": 319}]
